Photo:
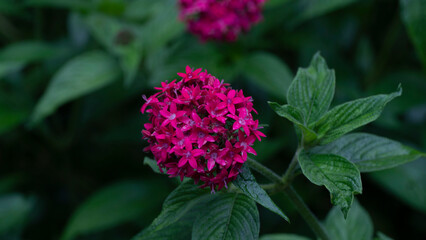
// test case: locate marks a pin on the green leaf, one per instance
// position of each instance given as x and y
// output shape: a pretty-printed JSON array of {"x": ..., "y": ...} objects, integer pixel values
[
  {"x": 294, "y": 115},
  {"x": 351, "y": 115},
  {"x": 370, "y": 152},
  {"x": 163, "y": 27},
  {"x": 180, "y": 210},
  {"x": 228, "y": 217},
  {"x": 247, "y": 183},
  {"x": 282, "y": 236},
  {"x": 15, "y": 208},
  {"x": 113, "y": 205},
  {"x": 337, "y": 174},
  {"x": 120, "y": 38},
  {"x": 312, "y": 90},
  {"x": 407, "y": 182},
  {"x": 268, "y": 72},
  {"x": 25, "y": 52},
  {"x": 308, "y": 9},
  {"x": 381, "y": 236},
  {"x": 414, "y": 16},
  {"x": 152, "y": 164},
  {"x": 80, "y": 76},
  {"x": 357, "y": 226}
]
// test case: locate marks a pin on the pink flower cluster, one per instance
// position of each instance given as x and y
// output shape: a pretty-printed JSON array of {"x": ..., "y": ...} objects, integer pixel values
[
  {"x": 200, "y": 128},
  {"x": 220, "y": 20}
]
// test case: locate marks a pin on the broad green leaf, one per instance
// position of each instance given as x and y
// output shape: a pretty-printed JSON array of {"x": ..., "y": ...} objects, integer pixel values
[
  {"x": 139, "y": 10},
  {"x": 14, "y": 211},
  {"x": 407, "y": 182},
  {"x": 268, "y": 72},
  {"x": 247, "y": 183},
  {"x": 381, "y": 236},
  {"x": 357, "y": 226},
  {"x": 163, "y": 27},
  {"x": 312, "y": 90},
  {"x": 9, "y": 67},
  {"x": 294, "y": 115},
  {"x": 228, "y": 217},
  {"x": 152, "y": 164},
  {"x": 180, "y": 210},
  {"x": 122, "y": 39},
  {"x": 337, "y": 174},
  {"x": 351, "y": 115},
  {"x": 370, "y": 152},
  {"x": 81, "y": 75},
  {"x": 113, "y": 205},
  {"x": 308, "y": 9},
  {"x": 25, "y": 52},
  {"x": 282, "y": 236},
  {"x": 414, "y": 16}
]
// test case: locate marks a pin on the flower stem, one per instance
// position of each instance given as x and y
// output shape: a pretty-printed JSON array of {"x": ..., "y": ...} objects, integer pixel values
[
  {"x": 306, "y": 213},
  {"x": 283, "y": 183},
  {"x": 293, "y": 164}
]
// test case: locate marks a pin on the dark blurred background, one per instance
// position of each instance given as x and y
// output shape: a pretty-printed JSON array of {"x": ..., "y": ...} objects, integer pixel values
[{"x": 72, "y": 73}]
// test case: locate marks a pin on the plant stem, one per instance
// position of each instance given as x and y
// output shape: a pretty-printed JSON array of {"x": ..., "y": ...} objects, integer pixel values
[
  {"x": 306, "y": 213},
  {"x": 283, "y": 183},
  {"x": 293, "y": 164},
  {"x": 268, "y": 173}
]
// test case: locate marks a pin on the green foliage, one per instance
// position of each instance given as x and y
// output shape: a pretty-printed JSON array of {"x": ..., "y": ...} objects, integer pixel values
[
  {"x": 228, "y": 217},
  {"x": 407, "y": 182},
  {"x": 312, "y": 90},
  {"x": 81, "y": 75},
  {"x": 268, "y": 72},
  {"x": 180, "y": 210},
  {"x": 370, "y": 152},
  {"x": 247, "y": 183},
  {"x": 356, "y": 226},
  {"x": 14, "y": 212},
  {"x": 351, "y": 115},
  {"x": 152, "y": 164},
  {"x": 111, "y": 206},
  {"x": 414, "y": 16},
  {"x": 337, "y": 174},
  {"x": 283, "y": 237}
]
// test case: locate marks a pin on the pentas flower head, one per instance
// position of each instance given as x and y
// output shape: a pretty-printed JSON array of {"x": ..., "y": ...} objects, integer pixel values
[
  {"x": 220, "y": 20},
  {"x": 199, "y": 127}
]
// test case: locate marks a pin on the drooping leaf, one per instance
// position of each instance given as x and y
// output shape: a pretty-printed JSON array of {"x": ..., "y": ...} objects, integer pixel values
[
  {"x": 337, "y": 174},
  {"x": 113, "y": 205},
  {"x": 294, "y": 115},
  {"x": 121, "y": 39},
  {"x": 81, "y": 75},
  {"x": 351, "y": 115},
  {"x": 357, "y": 226},
  {"x": 414, "y": 16},
  {"x": 228, "y": 217},
  {"x": 370, "y": 152},
  {"x": 308, "y": 9},
  {"x": 152, "y": 164},
  {"x": 268, "y": 72},
  {"x": 14, "y": 211},
  {"x": 312, "y": 90},
  {"x": 180, "y": 210},
  {"x": 282, "y": 236},
  {"x": 407, "y": 182},
  {"x": 381, "y": 236},
  {"x": 247, "y": 183}
]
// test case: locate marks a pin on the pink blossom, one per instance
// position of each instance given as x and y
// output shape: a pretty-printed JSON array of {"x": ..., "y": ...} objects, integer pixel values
[
  {"x": 194, "y": 130},
  {"x": 221, "y": 20}
]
